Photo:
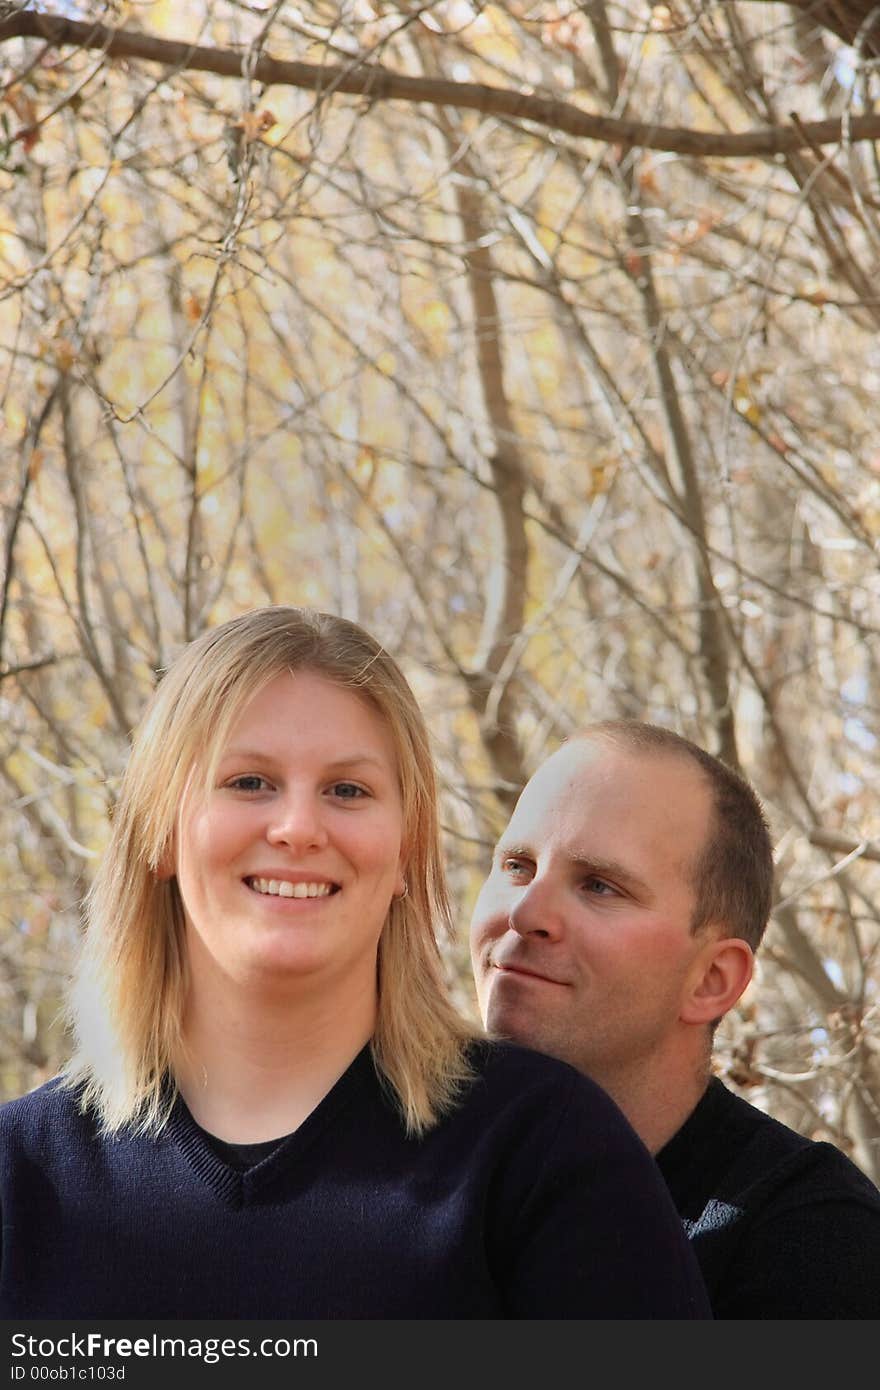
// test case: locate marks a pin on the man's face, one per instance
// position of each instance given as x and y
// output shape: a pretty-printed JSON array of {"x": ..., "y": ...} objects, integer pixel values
[{"x": 581, "y": 936}]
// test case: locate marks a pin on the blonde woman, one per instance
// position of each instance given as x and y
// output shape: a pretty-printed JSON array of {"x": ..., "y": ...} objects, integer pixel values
[{"x": 273, "y": 1109}]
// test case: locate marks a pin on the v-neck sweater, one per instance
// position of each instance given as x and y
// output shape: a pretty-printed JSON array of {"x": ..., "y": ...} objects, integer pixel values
[{"x": 532, "y": 1198}]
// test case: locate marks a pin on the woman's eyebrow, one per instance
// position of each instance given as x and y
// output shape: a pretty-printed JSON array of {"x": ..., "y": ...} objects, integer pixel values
[{"x": 354, "y": 759}]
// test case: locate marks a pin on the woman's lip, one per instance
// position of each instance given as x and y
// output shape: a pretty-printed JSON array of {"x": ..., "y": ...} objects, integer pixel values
[
  {"x": 329, "y": 884},
  {"x": 290, "y": 876}
]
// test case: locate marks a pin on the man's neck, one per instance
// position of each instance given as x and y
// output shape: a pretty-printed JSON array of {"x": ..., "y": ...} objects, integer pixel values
[{"x": 658, "y": 1100}]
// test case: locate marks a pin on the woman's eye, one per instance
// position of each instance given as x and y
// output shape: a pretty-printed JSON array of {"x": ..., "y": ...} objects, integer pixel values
[
  {"x": 247, "y": 782},
  {"x": 347, "y": 791}
]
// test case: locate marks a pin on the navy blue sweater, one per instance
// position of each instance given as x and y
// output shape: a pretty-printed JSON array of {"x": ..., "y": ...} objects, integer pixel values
[
  {"x": 783, "y": 1227},
  {"x": 532, "y": 1199}
]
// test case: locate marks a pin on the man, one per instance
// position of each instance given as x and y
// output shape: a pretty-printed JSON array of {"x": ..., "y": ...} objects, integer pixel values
[{"x": 617, "y": 926}]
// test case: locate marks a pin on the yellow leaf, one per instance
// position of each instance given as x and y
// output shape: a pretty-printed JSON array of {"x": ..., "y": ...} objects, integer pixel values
[
  {"x": 16, "y": 420},
  {"x": 64, "y": 353},
  {"x": 435, "y": 320}
]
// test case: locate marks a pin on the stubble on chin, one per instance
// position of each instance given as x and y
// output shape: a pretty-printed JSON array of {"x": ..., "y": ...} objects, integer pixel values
[{"x": 517, "y": 1024}]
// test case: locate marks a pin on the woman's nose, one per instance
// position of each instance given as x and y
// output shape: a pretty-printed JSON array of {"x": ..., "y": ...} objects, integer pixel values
[{"x": 297, "y": 822}]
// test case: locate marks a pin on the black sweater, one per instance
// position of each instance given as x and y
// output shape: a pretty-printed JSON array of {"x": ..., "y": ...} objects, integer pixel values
[
  {"x": 532, "y": 1199},
  {"x": 783, "y": 1226}
]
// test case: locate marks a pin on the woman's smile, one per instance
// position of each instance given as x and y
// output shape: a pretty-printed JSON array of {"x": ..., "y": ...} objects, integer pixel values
[{"x": 304, "y": 814}]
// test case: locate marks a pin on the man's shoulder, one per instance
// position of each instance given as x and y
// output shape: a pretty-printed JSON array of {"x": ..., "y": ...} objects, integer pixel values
[
  {"x": 752, "y": 1161},
  {"x": 784, "y": 1226}
]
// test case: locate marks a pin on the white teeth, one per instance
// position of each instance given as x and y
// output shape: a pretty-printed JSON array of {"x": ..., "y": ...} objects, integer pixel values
[{"x": 282, "y": 888}]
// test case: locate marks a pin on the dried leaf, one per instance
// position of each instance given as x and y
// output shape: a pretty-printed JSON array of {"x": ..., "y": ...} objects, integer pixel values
[{"x": 253, "y": 124}]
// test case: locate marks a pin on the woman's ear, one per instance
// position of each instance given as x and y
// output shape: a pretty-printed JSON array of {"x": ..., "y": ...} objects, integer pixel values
[
  {"x": 720, "y": 974},
  {"x": 167, "y": 865},
  {"x": 401, "y": 887}
]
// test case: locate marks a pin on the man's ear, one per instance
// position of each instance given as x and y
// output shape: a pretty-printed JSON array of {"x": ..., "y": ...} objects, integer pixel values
[{"x": 720, "y": 974}]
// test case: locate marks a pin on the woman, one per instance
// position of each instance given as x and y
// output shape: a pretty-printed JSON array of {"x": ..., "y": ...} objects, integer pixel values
[{"x": 273, "y": 1109}]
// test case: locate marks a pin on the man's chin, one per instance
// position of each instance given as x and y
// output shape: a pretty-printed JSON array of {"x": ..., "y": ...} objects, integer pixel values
[{"x": 516, "y": 1023}]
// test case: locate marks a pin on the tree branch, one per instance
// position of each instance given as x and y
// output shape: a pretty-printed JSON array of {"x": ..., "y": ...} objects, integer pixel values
[
  {"x": 378, "y": 84},
  {"x": 846, "y": 844},
  {"x": 848, "y": 19},
  {"x": 29, "y": 448}
]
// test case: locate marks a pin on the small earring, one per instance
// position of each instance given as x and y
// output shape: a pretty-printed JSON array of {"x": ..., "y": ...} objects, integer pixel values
[{"x": 405, "y": 894}]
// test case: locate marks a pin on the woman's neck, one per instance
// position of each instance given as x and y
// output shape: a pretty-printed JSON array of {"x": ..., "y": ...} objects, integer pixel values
[{"x": 254, "y": 1066}]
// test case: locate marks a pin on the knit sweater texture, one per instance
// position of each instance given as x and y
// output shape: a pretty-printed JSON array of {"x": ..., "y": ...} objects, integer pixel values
[
  {"x": 783, "y": 1226},
  {"x": 533, "y": 1198}
]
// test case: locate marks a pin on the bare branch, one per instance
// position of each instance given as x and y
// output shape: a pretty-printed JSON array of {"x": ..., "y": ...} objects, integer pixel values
[
  {"x": 378, "y": 84},
  {"x": 831, "y": 839}
]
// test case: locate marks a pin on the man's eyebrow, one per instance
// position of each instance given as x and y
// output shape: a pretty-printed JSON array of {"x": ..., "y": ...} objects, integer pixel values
[
  {"x": 613, "y": 869},
  {"x": 509, "y": 849},
  {"x": 582, "y": 863}
]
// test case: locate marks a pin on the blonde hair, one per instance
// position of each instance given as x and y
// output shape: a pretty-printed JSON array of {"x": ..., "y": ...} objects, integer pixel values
[{"x": 128, "y": 994}]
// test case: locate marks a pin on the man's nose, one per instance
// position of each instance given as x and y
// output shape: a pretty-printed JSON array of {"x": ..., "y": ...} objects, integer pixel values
[
  {"x": 536, "y": 911},
  {"x": 297, "y": 822}
]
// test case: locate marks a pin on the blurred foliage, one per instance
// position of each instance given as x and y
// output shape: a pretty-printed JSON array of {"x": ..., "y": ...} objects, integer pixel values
[{"x": 577, "y": 427}]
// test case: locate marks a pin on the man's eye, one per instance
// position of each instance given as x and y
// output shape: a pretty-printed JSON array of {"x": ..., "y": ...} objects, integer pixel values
[
  {"x": 514, "y": 866},
  {"x": 599, "y": 886}
]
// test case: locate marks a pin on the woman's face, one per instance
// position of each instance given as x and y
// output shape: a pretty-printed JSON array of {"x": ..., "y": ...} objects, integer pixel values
[{"x": 288, "y": 863}]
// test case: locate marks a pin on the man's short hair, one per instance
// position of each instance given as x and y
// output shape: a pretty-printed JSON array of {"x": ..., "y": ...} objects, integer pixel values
[{"x": 733, "y": 874}]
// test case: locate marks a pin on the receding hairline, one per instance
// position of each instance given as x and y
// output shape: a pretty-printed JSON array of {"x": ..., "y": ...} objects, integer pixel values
[
  {"x": 664, "y": 745},
  {"x": 732, "y": 871},
  {"x": 652, "y": 740}
]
